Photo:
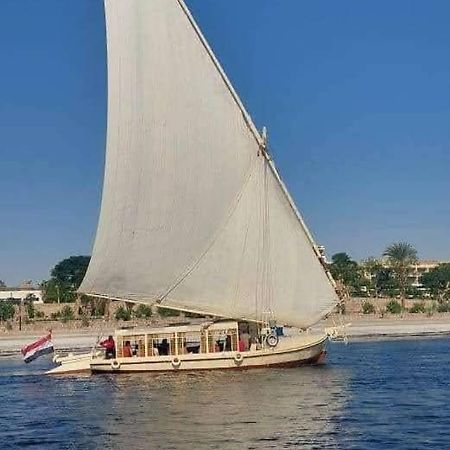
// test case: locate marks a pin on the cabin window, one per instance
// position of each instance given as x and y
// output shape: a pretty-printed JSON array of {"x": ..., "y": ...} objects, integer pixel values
[
  {"x": 133, "y": 345},
  {"x": 161, "y": 344},
  {"x": 152, "y": 345},
  {"x": 188, "y": 343},
  {"x": 249, "y": 333},
  {"x": 222, "y": 340}
]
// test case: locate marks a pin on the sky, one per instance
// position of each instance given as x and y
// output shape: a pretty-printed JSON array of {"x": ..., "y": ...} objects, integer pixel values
[{"x": 355, "y": 96}]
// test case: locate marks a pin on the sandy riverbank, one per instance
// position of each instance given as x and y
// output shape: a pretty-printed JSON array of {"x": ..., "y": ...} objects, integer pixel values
[
  {"x": 359, "y": 328},
  {"x": 10, "y": 344},
  {"x": 363, "y": 327}
]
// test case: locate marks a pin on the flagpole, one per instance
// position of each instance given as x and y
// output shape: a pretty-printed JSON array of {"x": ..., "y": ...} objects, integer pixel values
[{"x": 20, "y": 314}]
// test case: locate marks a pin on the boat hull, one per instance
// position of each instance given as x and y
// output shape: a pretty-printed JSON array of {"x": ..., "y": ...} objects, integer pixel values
[
  {"x": 78, "y": 363},
  {"x": 297, "y": 352}
]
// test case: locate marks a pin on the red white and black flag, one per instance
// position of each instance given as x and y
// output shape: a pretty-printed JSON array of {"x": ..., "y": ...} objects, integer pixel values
[{"x": 41, "y": 347}]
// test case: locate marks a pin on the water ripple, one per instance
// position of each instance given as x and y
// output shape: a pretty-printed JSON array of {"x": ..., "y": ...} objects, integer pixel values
[{"x": 370, "y": 396}]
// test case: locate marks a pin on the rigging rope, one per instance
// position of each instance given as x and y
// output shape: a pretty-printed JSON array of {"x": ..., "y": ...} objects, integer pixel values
[{"x": 264, "y": 291}]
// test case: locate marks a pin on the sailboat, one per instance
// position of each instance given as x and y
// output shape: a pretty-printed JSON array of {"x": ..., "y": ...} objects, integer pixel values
[{"x": 194, "y": 215}]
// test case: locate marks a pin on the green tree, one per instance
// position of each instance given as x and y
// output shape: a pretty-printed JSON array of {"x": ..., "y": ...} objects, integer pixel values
[
  {"x": 6, "y": 310},
  {"x": 31, "y": 311},
  {"x": 418, "y": 307},
  {"x": 437, "y": 280},
  {"x": 66, "y": 278},
  {"x": 394, "y": 307},
  {"x": 98, "y": 306},
  {"x": 386, "y": 282},
  {"x": 346, "y": 271},
  {"x": 54, "y": 292},
  {"x": 368, "y": 308},
  {"x": 167, "y": 312},
  {"x": 66, "y": 314},
  {"x": 143, "y": 311},
  {"x": 123, "y": 313},
  {"x": 71, "y": 271},
  {"x": 371, "y": 268},
  {"x": 400, "y": 256}
]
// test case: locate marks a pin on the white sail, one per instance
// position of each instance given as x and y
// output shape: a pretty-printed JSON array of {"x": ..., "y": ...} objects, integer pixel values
[{"x": 193, "y": 214}]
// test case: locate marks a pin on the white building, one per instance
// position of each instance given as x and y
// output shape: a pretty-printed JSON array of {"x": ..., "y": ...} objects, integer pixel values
[
  {"x": 419, "y": 268},
  {"x": 415, "y": 271},
  {"x": 21, "y": 294}
]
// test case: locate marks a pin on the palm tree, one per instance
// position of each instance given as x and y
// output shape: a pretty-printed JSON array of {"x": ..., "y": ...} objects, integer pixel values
[
  {"x": 371, "y": 269},
  {"x": 400, "y": 256}
]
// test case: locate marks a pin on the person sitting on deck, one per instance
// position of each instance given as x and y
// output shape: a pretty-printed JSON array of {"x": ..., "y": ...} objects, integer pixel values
[
  {"x": 127, "y": 350},
  {"x": 245, "y": 337},
  {"x": 228, "y": 343},
  {"x": 184, "y": 350},
  {"x": 254, "y": 345},
  {"x": 164, "y": 347},
  {"x": 110, "y": 346}
]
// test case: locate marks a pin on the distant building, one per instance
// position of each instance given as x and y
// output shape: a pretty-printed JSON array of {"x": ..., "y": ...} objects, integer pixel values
[
  {"x": 18, "y": 294},
  {"x": 415, "y": 272},
  {"x": 323, "y": 254},
  {"x": 421, "y": 267}
]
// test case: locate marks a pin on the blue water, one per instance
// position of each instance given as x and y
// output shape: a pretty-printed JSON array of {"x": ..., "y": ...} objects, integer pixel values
[{"x": 373, "y": 395}]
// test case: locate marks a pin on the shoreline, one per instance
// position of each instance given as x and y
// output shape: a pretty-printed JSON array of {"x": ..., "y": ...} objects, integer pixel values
[
  {"x": 357, "y": 329},
  {"x": 363, "y": 328}
]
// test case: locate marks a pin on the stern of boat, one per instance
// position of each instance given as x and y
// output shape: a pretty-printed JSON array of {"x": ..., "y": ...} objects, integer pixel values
[{"x": 73, "y": 363}]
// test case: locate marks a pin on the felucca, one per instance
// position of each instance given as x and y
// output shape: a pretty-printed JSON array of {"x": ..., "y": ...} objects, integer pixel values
[{"x": 194, "y": 214}]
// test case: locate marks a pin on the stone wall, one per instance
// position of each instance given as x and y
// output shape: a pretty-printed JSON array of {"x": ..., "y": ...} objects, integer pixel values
[
  {"x": 354, "y": 305},
  {"x": 101, "y": 324}
]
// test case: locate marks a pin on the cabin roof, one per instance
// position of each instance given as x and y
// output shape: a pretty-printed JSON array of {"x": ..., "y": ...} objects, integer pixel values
[{"x": 189, "y": 328}]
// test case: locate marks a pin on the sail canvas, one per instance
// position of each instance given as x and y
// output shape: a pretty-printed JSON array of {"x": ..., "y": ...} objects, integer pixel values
[{"x": 194, "y": 215}]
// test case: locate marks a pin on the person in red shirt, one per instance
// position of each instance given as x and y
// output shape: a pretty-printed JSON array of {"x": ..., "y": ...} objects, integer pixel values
[
  {"x": 242, "y": 346},
  {"x": 110, "y": 346},
  {"x": 127, "y": 353}
]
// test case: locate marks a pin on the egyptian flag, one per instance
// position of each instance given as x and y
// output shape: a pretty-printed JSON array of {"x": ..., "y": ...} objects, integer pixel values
[{"x": 41, "y": 347}]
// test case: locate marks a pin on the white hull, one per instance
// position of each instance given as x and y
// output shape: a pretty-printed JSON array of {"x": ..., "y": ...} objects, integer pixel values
[
  {"x": 73, "y": 363},
  {"x": 290, "y": 352}
]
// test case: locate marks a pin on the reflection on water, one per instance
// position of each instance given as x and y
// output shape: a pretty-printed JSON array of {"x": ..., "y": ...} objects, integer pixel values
[
  {"x": 370, "y": 395},
  {"x": 229, "y": 409}
]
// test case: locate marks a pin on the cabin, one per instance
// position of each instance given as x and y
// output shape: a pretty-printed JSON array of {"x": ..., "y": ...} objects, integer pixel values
[{"x": 179, "y": 340}]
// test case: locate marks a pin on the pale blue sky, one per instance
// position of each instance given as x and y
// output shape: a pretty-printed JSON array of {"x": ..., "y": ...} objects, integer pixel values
[{"x": 356, "y": 97}]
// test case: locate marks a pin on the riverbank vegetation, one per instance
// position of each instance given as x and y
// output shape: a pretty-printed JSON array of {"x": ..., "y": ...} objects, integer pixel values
[{"x": 393, "y": 275}]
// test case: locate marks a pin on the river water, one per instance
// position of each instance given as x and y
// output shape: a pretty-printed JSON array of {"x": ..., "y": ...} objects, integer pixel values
[{"x": 370, "y": 395}]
